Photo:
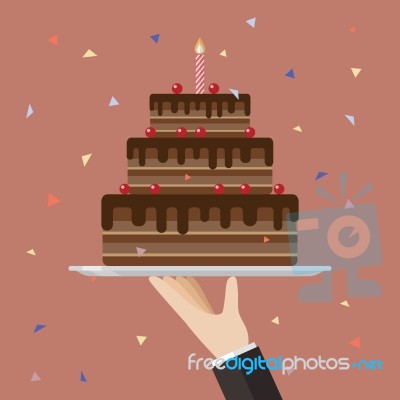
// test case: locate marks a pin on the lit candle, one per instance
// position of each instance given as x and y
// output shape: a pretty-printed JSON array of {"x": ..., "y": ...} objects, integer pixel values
[{"x": 200, "y": 66}]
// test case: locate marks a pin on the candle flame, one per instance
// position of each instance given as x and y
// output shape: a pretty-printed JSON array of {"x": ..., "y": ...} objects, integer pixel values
[{"x": 199, "y": 48}]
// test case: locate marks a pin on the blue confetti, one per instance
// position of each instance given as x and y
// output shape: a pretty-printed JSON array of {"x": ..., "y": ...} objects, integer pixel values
[
  {"x": 83, "y": 377},
  {"x": 38, "y": 328},
  {"x": 320, "y": 175},
  {"x": 155, "y": 37},
  {"x": 290, "y": 74}
]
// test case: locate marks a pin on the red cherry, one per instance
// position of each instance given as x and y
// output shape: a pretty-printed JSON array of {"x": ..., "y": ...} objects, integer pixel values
[
  {"x": 249, "y": 132},
  {"x": 150, "y": 132},
  {"x": 154, "y": 188},
  {"x": 181, "y": 132},
  {"x": 219, "y": 188},
  {"x": 245, "y": 188},
  {"x": 200, "y": 132},
  {"x": 279, "y": 188},
  {"x": 177, "y": 88},
  {"x": 124, "y": 189},
  {"x": 214, "y": 88}
]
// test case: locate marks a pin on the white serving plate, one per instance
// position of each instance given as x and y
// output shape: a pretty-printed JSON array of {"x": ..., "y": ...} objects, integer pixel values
[{"x": 271, "y": 271}]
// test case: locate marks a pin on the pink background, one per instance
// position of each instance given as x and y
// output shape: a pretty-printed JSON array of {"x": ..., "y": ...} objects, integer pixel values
[{"x": 92, "y": 326}]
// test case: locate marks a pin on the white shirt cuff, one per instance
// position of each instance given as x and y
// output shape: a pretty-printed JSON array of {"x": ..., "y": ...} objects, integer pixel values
[{"x": 234, "y": 353}]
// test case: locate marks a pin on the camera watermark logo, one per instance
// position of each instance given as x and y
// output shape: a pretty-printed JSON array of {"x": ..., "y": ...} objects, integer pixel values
[{"x": 345, "y": 237}]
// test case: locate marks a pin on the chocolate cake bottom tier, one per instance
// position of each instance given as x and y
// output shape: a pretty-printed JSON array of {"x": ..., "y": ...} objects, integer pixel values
[{"x": 199, "y": 230}]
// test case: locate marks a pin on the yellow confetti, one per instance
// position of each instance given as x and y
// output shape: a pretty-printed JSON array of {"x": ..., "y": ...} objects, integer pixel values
[
  {"x": 141, "y": 339},
  {"x": 89, "y": 53},
  {"x": 86, "y": 158},
  {"x": 275, "y": 320},
  {"x": 356, "y": 71},
  {"x": 345, "y": 303},
  {"x": 297, "y": 128}
]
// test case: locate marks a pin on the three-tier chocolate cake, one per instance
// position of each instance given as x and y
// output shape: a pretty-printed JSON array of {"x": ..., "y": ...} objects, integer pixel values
[{"x": 200, "y": 190}]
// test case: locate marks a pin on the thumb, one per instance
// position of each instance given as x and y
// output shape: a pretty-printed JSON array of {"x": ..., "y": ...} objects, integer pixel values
[{"x": 231, "y": 303}]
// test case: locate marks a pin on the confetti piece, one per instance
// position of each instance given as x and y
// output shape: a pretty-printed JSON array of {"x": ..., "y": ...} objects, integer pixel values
[
  {"x": 352, "y": 29},
  {"x": 290, "y": 74},
  {"x": 35, "y": 377},
  {"x": 223, "y": 53},
  {"x": 356, "y": 71},
  {"x": 140, "y": 251},
  {"x": 356, "y": 342},
  {"x": 155, "y": 37},
  {"x": 320, "y": 175},
  {"x": 348, "y": 205},
  {"x": 345, "y": 303},
  {"x": 53, "y": 40},
  {"x": 297, "y": 128},
  {"x": 351, "y": 119},
  {"x": 235, "y": 92},
  {"x": 39, "y": 327},
  {"x": 83, "y": 377},
  {"x": 86, "y": 158},
  {"x": 52, "y": 200},
  {"x": 252, "y": 22},
  {"x": 266, "y": 240},
  {"x": 141, "y": 339},
  {"x": 275, "y": 320},
  {"x": 29, "y": 112},
  {"x": 113, "y": 102},
  {"x": 187, "y": 177},
  {"x": 89, "y": 53},
  {"x": 31, "y": 252}
]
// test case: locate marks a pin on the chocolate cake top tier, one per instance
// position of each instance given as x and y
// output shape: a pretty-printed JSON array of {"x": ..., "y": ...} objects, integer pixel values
[
  {"x": 139, "y": 203},
  {"x": 163, "y": 145},
  {"x": 213, "y": 103}
]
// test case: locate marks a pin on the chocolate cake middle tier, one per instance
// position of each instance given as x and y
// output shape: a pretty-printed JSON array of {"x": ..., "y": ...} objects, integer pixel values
[{"x": 197, "y": 164}]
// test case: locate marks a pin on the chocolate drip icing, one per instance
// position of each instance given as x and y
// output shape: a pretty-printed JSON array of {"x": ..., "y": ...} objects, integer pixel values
[
  {"x": 162, "y": 145},
  {"x": 138, "y": 204},
  {"x": 157, "y": 100}
]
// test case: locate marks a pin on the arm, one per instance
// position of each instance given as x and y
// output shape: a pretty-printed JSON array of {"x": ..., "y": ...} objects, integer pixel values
[{"x": 220, "y": 333}]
